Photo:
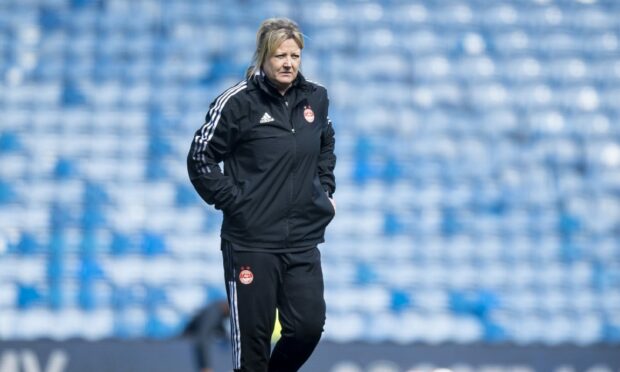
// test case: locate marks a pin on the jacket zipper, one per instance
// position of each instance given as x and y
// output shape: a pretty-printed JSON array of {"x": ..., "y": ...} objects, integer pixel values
[{"x": 292, "y": 188}]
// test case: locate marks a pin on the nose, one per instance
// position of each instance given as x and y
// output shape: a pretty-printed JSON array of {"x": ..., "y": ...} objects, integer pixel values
[{"x": 288, "y": 62}]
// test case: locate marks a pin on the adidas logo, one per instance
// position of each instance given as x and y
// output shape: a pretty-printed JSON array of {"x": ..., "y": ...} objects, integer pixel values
[{"x": 266, "y": 118}]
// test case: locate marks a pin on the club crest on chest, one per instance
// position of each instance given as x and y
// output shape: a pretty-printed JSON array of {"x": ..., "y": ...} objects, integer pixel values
[{"x": 308, "y": 114}]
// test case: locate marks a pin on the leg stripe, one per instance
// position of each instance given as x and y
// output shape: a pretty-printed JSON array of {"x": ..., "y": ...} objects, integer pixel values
[{"x": 234, "y": 325}]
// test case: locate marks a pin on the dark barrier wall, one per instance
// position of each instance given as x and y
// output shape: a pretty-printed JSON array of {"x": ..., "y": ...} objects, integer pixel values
[
  {"x": 471, "y": 358},
  {"x": 100, "y": 356},
  {"x": 176, "y": 356}
]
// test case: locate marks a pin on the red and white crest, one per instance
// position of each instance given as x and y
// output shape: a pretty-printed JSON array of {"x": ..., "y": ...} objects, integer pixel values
[
  {"x": 308, "y": 114},
  {"x": 246, "y": 276}
]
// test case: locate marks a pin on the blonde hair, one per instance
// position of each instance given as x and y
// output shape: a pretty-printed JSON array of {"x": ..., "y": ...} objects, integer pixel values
[{"x": 271, "y": 33}]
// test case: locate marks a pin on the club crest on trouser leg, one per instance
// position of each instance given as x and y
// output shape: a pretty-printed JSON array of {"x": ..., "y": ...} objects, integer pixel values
[
  {"x": 308, "y": 114},
  {"x": 246, "y": 276}
]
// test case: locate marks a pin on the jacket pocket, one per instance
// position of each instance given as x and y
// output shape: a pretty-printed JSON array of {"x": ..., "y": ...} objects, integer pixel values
[
  {"x": 321, "y": 200},
  {"x": 234, "y": 211}
]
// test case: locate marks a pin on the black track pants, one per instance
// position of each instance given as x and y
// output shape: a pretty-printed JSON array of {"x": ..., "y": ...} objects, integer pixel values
[{"x": 257, "y": 283}]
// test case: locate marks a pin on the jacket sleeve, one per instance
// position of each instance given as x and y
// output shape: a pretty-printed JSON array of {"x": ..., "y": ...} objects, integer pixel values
[
  {"x": 212, "y": 143},
  {"x": 327, "y": 157}
]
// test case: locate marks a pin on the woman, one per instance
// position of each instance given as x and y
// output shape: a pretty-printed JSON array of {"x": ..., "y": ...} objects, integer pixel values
[{"x": 274, "y": 136}]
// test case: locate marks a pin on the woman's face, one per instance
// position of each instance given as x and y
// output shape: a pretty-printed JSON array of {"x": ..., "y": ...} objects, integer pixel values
[{"x": 282, "y": 67}]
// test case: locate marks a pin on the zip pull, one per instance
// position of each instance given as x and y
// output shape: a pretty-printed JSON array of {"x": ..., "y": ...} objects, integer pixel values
[{"x": 293, "y": 130}]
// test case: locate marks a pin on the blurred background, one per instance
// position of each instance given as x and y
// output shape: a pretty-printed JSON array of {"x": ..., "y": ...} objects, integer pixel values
[{"x": 478, "y": 166}]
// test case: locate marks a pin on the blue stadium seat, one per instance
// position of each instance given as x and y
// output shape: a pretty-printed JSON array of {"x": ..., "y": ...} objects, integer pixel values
[
  {"x": 93, "y": 217},
  {"x": 186, "y": 196},
  {"x": 65, "y": 169},
  {"x": 28, "y": 244},
  {"x": 86, "y": 297},
  {"x": 152, "y": 244},
  {"x": 28, "y": 296},
  {"x": 9, "y": 142},
  {"x": 121, "y": 244},
  {"x": 401, "y": 300},
  {"x": 365, "y": 274},
  {"x": 60, "y": 217}
]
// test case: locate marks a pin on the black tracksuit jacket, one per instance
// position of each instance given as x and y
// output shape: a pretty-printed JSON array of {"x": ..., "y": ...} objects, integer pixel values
[{"x": 278, "y": 154}]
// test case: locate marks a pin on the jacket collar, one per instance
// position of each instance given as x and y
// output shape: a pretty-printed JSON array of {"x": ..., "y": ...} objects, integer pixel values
[{"x": 260, "y": 82}]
